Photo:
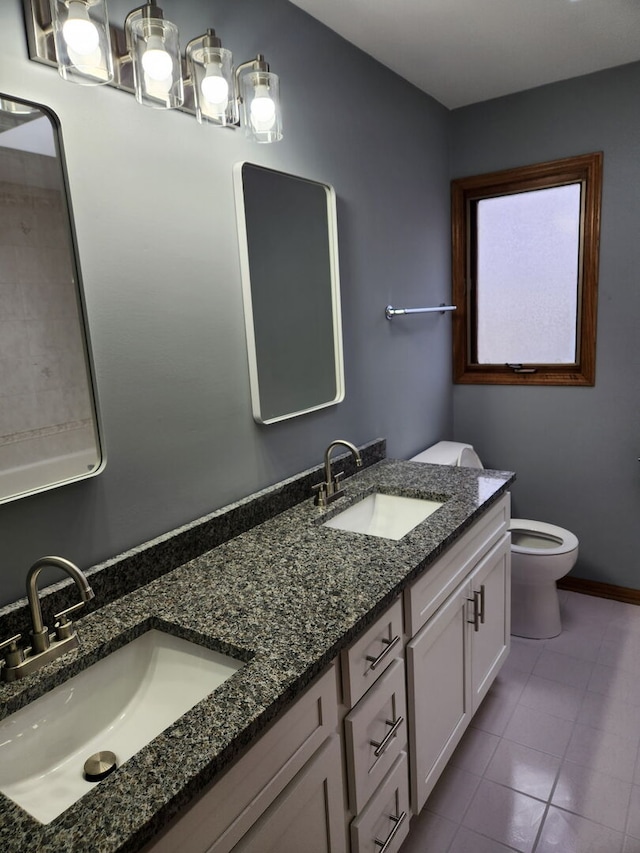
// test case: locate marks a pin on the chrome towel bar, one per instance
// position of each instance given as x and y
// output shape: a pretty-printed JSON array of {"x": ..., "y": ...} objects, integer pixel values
[{"x": 390, "y": 311}]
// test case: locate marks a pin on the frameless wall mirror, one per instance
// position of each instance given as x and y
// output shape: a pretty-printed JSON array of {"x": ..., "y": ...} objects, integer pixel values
[
  {"x": 48, "y": 419},
  {"x": 290, "y": 283}
]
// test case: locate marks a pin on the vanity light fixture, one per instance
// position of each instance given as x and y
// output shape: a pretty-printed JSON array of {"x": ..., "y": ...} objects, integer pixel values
[
  {"x": 144, "y": 59},
  {"x": 210, "y": 72},
  {"x": 154, "y": 51},
  {"x": 259, "y": 98},
  {"x": 82, "y": 42}
]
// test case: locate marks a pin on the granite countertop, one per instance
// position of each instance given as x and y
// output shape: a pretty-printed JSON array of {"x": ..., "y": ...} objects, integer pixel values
[{"x": 286, "y": 596}]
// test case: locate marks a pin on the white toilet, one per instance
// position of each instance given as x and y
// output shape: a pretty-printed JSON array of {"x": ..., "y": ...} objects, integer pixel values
[{"x": 541, "y": 554}]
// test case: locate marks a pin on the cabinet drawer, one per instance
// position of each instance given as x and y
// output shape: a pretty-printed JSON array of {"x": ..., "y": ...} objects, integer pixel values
[
  {"x": 229, "y": 807},
  {"x": 375, "y": 733},
  {"x": 436, "y": 584},
  {"x": 386, "y": 817},
  {"x": 371, "y": 654}
]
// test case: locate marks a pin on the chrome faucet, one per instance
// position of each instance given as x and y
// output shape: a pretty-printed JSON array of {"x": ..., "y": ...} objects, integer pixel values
[
  {"x": 330, "y": 490},
  {"x": 44, "y": 647}
]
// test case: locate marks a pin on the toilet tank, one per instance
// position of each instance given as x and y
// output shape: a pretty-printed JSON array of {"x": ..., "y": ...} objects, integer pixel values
[{"x": 450, "y": 453}]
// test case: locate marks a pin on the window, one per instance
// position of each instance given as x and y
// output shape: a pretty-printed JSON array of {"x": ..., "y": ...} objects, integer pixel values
[{"x": 525, "y": 273}]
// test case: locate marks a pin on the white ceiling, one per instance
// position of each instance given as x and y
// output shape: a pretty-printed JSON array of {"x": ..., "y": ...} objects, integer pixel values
[{"x": 465, "y": 51}]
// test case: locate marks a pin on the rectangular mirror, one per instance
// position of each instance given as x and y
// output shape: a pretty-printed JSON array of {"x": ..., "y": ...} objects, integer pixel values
[
  {"x": 290, "y": 284},
  {"x": 48, "y": 420}
]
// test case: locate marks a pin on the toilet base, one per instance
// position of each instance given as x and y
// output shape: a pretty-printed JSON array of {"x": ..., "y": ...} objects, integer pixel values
[{"x": 535, "y": 610}]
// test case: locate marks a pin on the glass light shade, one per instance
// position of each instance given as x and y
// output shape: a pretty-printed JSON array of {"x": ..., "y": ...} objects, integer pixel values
[
  {"x": 211, "y": 71},
  {"x": 82, "y": 41},
  {"x": 261, "y": 116},
  {"x": 157, "y": 66}
]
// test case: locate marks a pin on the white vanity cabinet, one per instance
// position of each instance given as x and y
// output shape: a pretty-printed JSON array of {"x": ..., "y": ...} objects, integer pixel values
[
  {"x": 457, "y": 648},
  {"x": 335, "y": 772}
]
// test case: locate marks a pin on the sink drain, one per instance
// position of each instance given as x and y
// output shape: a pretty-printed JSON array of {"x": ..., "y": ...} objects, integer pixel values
[{"x": 100, "y": 765}]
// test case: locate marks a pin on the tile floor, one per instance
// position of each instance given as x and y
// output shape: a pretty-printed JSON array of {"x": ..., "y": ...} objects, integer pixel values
[{"x": 550, "y": 763}]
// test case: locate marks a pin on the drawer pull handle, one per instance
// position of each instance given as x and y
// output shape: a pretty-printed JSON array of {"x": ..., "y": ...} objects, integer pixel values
[
  {"x": 389, "y": 644},
  {"x": 481, "y": 605},
  {"x": 397, "y": 822},
  {"x": 384, "y": 743}
]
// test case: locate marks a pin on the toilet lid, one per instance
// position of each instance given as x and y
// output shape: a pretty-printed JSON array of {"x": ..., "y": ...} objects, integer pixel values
[{"x": 538, "y": 537}]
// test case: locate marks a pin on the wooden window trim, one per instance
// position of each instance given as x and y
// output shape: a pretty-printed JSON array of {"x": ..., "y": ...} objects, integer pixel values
[{"x": 465, "y": 192}]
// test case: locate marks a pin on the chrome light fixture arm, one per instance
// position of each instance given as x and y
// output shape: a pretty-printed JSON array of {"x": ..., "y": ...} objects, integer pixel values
[{"x": 257, "y": 64}]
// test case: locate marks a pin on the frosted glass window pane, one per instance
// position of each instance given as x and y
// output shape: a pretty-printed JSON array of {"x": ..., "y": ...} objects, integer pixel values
[{"x": 527, "y": 277}]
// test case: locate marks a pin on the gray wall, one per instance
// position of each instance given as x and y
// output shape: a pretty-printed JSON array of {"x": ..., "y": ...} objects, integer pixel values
[
  {"x": 152, "y": 195},
  {"x": 575, "y": 449}
]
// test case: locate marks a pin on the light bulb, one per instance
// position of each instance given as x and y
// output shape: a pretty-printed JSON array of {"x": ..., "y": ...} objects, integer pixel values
[
  {"x": 263, "y": 109},
  {"x": 80, "y": 34},
  {"x": 156, "y": 62},
  {"x": 214, "y": 87}
]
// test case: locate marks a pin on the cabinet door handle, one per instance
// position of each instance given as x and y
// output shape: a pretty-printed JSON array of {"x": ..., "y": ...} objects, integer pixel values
[
  {"x": 384, "y": 743},
  {"x": 397, "y": 822},
  {"x": 476, "y": 612},
  {"x": 478, "y": 608},
  {"x": 389, "y": 644},
  {"x": 481, "y": 605}
]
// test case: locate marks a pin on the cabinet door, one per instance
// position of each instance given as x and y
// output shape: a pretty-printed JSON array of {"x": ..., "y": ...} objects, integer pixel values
[
  {"x": 309, "y": 814},
  {"x": 491, "y": 606},
  {"x": 439, "y": 693},
  {"x": 231, "y": 805}
]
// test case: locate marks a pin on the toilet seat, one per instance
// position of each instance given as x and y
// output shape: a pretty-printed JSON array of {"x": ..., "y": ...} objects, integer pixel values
[{"x": 552, "y": 540}]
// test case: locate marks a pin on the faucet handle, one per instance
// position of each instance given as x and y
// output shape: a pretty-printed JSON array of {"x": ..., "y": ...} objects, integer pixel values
[
  {"x": 62, "y": 616},
  {"x": 321, "y": 494},
  {"x": 63, "y": 624},
  {"x": 13, "y": 654}
]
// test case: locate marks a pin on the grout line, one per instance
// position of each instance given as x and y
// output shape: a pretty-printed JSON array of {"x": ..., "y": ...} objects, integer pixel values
[{"x": 536, "y": 840}]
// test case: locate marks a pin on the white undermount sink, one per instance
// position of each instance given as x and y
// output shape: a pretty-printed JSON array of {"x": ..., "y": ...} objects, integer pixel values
[
  {"x": 118, "y": 704},
  {"x": 388, "y": 516}
]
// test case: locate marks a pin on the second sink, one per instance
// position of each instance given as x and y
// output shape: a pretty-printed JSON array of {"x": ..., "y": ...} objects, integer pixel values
[{"x": 387, "y": 516}]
